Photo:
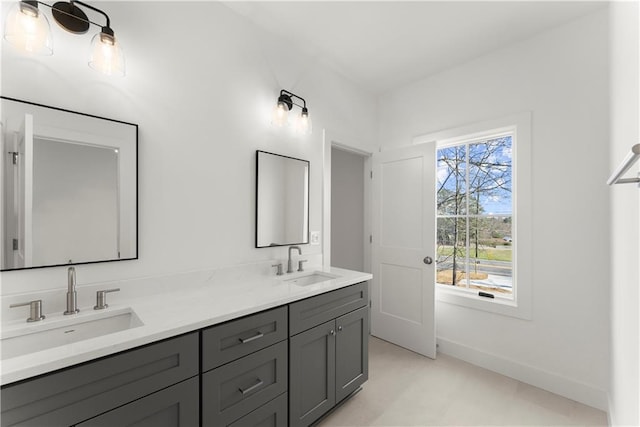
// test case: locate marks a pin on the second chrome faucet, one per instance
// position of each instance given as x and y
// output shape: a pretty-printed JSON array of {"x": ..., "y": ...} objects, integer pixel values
[{"x": 290, "y": 261}]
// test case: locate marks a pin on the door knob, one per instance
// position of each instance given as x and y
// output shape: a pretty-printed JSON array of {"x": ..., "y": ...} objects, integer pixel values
[{"x": 428, "y": 260}]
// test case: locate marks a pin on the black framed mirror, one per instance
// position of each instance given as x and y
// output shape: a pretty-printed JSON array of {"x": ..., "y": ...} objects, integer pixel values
[
  {"x": 69, "y": 192},
  {"x": 282, "y": 200}
]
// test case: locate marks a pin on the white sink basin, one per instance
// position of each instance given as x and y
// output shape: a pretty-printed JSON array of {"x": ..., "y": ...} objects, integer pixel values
[
  {"x": 61, "y": 330},
  {"x": 310, "y": 279}
]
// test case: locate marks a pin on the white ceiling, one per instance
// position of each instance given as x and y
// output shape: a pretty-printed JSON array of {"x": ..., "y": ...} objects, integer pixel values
[{"x": 386, "y": 44}]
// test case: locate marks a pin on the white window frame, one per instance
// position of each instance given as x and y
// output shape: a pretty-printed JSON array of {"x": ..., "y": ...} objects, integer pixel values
[{"x": 520, "y": 125}]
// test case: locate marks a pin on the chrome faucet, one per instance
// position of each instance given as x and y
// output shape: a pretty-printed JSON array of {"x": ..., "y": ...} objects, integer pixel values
[
  {"x": 289, "y": 263},
  {"x": 72, "y": 295}
]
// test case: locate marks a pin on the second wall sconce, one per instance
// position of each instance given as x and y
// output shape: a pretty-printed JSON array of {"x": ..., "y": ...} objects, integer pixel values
[
  {"x": 27, "y": 28},
  {"x": 281, "y": 112}
]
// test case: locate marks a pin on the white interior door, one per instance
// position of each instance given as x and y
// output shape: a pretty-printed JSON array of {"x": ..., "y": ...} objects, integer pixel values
[{"x": 404, "y": 248}]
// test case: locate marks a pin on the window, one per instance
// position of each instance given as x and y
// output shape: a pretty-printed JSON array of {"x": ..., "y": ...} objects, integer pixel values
[
  {"x": 483, "y": 215},
  {"x": 475, "y": 215}
]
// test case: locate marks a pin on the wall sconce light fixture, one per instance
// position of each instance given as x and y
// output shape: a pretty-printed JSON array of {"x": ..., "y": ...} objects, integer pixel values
[
  {"x": 27, "y": 28},
  {"x": 284, "y": 105}
]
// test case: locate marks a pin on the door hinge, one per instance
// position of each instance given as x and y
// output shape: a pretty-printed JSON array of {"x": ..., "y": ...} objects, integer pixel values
[
  {"x": 14, "y": 157},
  {"x": 371, "y": 174},
  {"x": 15, "y": 244},
  {"x": 370, "y": 304},
  {"x": 370, "y": 238}
]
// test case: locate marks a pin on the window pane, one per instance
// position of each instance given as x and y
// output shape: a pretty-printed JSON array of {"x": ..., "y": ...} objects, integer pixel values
[
  {"x": 491, "y": 254},
  {"x": 490, "y": 177},
  {"x": 451, "y": 184},
  {"x": 451, "y": 250}
]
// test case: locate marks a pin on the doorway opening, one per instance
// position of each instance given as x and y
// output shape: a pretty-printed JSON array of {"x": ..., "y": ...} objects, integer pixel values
[{"x": 349, "y": 229}]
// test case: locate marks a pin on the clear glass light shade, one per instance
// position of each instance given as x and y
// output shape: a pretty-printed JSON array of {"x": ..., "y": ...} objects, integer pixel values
[
  {"x": 106, "y": 55},
  {"x": 27, "y": 29},
  {"x": 280, "y": 114},
  {"x": 303, "y": 125}
]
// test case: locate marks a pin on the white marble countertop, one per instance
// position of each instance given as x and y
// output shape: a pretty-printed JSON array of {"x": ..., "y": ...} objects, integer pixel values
[{"x": 192, "y": 302}]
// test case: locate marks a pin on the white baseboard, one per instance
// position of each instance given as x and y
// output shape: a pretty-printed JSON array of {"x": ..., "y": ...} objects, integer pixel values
[{"x": 555, "y": 383}]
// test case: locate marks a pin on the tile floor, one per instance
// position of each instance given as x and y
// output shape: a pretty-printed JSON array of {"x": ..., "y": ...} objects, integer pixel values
[{"x": 406, "y": 389}]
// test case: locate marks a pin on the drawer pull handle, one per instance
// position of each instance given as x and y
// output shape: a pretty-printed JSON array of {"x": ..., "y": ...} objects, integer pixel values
[
  {"x": 253, "y": 338},
  {"x": 253, "y": 387}
]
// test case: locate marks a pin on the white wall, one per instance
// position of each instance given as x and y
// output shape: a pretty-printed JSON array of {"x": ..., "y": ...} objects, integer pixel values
[
  {"x": 625, "y": 217},
  {"x": 561, "y": 76},
  {"x": 347, "y": 210},
  {"x": 201, "y": 82}
]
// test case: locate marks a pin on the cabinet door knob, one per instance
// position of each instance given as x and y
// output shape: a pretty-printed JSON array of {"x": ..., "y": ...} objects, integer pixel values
[
  {"x": 332, "y": 332},
  {"x": 339, "y": 328},
  {"x": 428, "y": 260}
]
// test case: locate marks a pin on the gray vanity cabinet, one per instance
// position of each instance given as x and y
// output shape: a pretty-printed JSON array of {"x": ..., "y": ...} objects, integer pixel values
[
  {"x": 328, "y": 361},
  {"x": 79, "y": 393},
  {"x": 282, "y": 367}
]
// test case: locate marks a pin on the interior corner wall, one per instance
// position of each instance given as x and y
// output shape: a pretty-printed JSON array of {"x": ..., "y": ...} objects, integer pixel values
[
  {"x": 561, "y": 77},
  {"x": 201, "y": 84},
  {"x": 625, "y": 217}
]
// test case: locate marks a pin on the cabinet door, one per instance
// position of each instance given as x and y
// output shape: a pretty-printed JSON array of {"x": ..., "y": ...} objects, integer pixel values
[
  {"x": 312, "y": 374},
  {"x": 175, "y": 406},
  {"x": 352, "y": 352}
]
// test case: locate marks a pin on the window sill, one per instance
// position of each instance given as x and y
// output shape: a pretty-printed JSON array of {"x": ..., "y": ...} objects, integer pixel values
[{"x": 502, "y": 306}]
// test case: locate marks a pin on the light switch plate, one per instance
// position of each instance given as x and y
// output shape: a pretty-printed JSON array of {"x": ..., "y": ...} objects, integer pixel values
[{"x": 315, "y": 238}]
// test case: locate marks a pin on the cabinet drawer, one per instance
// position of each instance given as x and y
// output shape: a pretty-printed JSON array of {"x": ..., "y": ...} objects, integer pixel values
[
  {"x": 75, "y": 394},
  {"x": 232, "y": 340},
  {"x": 175, "y": 406},
  {"x": 237, "y": 388},
  {"x": 313, "y": 311},
  {"x": 272, "y": 414}
]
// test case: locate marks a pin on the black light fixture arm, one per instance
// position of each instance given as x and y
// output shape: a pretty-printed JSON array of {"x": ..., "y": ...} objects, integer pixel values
[
  {"x": 95, "y": 9},
  {"x": 286, "y": 97}
]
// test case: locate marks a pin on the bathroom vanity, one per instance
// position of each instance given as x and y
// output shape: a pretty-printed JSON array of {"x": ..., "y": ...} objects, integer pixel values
[{"x": 286, "y": 361}]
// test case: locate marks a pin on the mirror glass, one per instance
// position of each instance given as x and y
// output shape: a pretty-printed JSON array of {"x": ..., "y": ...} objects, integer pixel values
[
  {"x": 69, "y": 191},
  {"x": 282, "y": 200}
]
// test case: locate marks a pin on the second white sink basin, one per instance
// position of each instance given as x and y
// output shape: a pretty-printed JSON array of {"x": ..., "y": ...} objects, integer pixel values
[
  {"x": 310, "y": 279},
  {"x": 63, "y": 330}
]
